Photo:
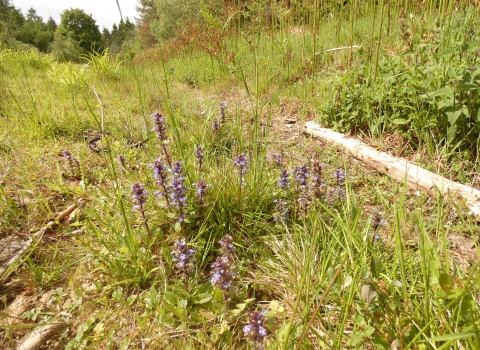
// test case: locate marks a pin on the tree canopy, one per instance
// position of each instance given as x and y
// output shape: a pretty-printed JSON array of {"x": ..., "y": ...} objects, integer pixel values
[{"x": 80, "y": 27}]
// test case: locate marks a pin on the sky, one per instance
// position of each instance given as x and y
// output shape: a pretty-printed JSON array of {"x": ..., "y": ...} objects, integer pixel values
[{"x": 104, "y": 12}]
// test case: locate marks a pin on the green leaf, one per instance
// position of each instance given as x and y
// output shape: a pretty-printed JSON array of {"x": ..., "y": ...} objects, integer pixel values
[
  {"x": 453, "y": 336},
  {"x": 453, "y": 116},
  {"x": 376, "y": 266},
  {"x": 468, "y": 86},
  {"x": 171, "y": 298},
  {"x": 401, "y": 121},
  {"x": 446, "y": 282},
  {"x": 202, "y": 298}
]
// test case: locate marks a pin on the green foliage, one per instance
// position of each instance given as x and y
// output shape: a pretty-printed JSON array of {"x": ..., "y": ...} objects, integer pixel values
[
  {"x": 35, "y": 32},
  {"x": 77, "y": 34},
  {"x": 66, "y": 49},
  {"x": 172, "y": 15},
  {"x": 429, "y": 93}
]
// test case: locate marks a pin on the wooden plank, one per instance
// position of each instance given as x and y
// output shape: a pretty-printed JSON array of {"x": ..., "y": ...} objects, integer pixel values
[{"x": 399, "y": 169}]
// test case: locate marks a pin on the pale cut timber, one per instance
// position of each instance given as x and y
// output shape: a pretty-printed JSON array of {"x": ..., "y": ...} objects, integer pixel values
[
  {"x": 28, "y": 243},
  {"x": 39, "y": 337},
  {"x": 399, "y": 169}
]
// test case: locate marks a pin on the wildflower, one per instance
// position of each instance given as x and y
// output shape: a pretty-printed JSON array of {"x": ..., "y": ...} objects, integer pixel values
[
  {"x": 139, "y": 196},
  {"x": 178, "y": 192},
  {"x": 301, "y": 175},
  {"x": 182, "y": 255},
  {"x": 317, "y": 183},
  {"x": 201, "y": 191},
  {"x": 222, "y": 113},
  {"x": 199, "y": 155},
  {"x": 283, "y": 180},
  {"x": 336, "y": 193},
  {"x": 377, "y": 222},
  {"x": 263, "y": 129},
  {"x": 226, "y": 245},
  {"x": 277, "y": 158},
  {"x": 121, "y": 160},
  {"x": 160, "y": 128},
  {"x": 280, "y": 208},
  {"x": 215, "y": 126},
  {"x": 339, "y": 175},
  {"x": 73, "y": 162},
  {"x": 221, "y": 274},
  {"x": 160, "y": 174},
  {"x": 241, "y": 162},
  {"x": 255, "y": 328}
]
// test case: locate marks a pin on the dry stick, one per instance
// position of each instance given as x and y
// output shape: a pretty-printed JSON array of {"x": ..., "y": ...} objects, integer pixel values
[
  {"x": 40, "y": 233},
  {"x": 39, "y": 336},
  {"x": 399, "y": 169},
  {"x": 320, "y": 303},
  {"x": 343, "y": 48}
]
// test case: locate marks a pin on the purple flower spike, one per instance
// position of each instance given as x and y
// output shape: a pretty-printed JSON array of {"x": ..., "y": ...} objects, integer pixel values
[
  {"x": 177, "y": 190},
  {"x": 215, "y": 126},
  {"x": 281, "y": 207},
  {"x": 160, "y": 127},
  {"x": 222, "y": 113},
  {"x": 378, "y": 220},
  {"x": 73, "y": 162},
  {"x": 301, "y": 175},
  {"x": 199, "y": 156},
  {"x": 241, "y": 161},
  {"x": 339, "y": 174},
  {"x": 226, "y": 245},
  {"x": 255, "y": 329},
  {"x": 200, "y": 191},
  {"x": 183, "y": 256},
  {"x": 221, "y": 274},
  {"x": 283, "y": 180},
  {"x": 160, "y": 175},
  {"x": 139, "y": 196}
]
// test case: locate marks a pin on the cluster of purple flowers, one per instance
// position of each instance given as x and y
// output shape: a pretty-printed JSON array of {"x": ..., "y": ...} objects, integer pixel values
[
  {"x": 377, "y": 222},
  {"x": 276, "y": 158},
  {"x": 177, "y": 190},
  {"x": 199, "y": 156},
  {"x": 241, "y": 162},
  {"x": 160, "y": 129},
  {"x": 139, "y": 197},
  {"x": 201, "y": 188},
  {"x": 318, "y": 185},
  {"x": 160, "y": 175},
  {"x": 255, "y": 328},
  {"x": 221, "y": 269},
  {"x": 301, "y": 176},
  {"x": 183, "y": 256},
  {"x": 73, "y": 162},
  {"x": 223, "y": 116}
]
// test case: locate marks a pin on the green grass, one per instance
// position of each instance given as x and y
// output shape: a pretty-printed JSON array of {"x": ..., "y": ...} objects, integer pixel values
[{"x": 111, "y": 271}]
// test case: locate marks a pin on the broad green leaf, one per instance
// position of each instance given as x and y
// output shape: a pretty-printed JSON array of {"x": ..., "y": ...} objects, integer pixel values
[{"x": 446, "y": 282}]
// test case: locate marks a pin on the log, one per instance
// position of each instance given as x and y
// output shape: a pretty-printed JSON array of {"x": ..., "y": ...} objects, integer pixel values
[
  {"x": 399, "y": 169},
  {"x": 28, "y": 243},
  {"x": 39, "y": 336}
]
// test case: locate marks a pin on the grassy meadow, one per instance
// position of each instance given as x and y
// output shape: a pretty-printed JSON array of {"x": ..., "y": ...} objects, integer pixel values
[{"x": 206, "y": 219}]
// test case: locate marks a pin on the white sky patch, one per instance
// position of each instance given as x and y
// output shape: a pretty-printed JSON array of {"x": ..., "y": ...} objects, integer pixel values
[{"x": 104, "y": 12}]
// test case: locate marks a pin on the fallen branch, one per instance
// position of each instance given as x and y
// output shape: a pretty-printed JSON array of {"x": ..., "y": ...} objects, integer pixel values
[
  {"x": 342, "y": 48},
  {"x": 399, "y": 169},
  {"x": 39, "y": 336},
  {"x": 39, "y": 234}
]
